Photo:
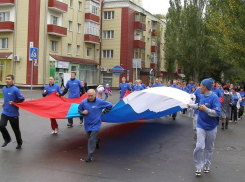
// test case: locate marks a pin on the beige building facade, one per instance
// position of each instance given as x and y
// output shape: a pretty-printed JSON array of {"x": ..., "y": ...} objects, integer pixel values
[
  {"x": 66, "y": 33},
  {"x": 135, "y": 37}
]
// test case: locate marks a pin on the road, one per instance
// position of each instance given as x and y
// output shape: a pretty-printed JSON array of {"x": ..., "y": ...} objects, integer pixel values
[{"x": 141, "y": 151}]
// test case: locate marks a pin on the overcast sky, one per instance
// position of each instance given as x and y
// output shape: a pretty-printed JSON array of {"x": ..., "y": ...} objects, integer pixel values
[{"x": 156, "y": 6}]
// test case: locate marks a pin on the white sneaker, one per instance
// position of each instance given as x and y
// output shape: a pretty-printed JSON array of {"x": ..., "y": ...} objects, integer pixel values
[
  {"x": 53, "y": 132},
  {"x": 198, "y": 172},
  {"x": 239, "y": 118},
  {"x": 235, "y": 121},
  {"x": 56, "y": 130},
  {"x": 230, "y": 121},
  {"x": 206, "y": 169}
]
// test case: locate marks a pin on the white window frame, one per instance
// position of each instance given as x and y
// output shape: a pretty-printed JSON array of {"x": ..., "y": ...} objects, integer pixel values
[
  {"x": 54, "y": 20},
  {"x": 4, "y": 16},
  {"x": 53, "y": 46},
  {"x": 79, "y": 6},
  {"x": 69, "y": 49},
  {"x": 1, "y": 43},
  {"x": 78, "y": 49},
  {"x": 78, "y": 28},
  {"x": 88, "y": 52},
  {"x": 94, "y": 8},
  {"x": 69, "y": 25},
  {"x": 91, "y": 28},
  {"x": 108, "y": 34},
  {"x": 107, "y": 53},
  {"x": 109, "y": 15}
]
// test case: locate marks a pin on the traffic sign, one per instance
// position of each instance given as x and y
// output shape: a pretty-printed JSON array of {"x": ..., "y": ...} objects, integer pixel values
[{"x": 33, "y": 53}]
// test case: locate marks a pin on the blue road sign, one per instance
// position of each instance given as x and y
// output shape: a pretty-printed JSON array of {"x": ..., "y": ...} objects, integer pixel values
[{"x": 33, "y": 53}]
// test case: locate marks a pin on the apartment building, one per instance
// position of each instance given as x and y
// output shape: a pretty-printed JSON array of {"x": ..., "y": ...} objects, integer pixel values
[
  {"x": 131, "y": 43},
  {"x": 66, "y": 33}
]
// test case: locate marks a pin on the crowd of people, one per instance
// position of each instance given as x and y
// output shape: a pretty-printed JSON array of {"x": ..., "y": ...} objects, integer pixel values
[{"x": 213, "y": 102}]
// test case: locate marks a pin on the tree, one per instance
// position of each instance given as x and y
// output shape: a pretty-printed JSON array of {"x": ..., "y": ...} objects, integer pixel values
[
  {"x": 226, "y": 20},
  {"x": 171, "y": 36}
]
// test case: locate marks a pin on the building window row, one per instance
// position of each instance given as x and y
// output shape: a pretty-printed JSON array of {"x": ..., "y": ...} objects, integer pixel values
[
  {"x": 3, "y": 43},
  {"x": 108, "y": 34},
  {"x": 91, "y": 28},
  {"x": 4, "y": 16},
  {"x": 107, "y": 53},
  {"x": 108, "y": 15},
  {"x": 53, "y": 47}
]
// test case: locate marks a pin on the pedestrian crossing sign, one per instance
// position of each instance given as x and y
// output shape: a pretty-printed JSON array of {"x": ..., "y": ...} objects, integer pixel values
[{"x": 33, "y": 53}]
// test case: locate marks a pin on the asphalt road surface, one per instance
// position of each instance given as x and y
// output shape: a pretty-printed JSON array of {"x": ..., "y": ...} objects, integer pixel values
[{"x": 140, "y": 151}]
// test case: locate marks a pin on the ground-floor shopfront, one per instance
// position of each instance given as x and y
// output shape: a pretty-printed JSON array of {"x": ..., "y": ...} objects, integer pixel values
[{"x": 61, "y": 66}]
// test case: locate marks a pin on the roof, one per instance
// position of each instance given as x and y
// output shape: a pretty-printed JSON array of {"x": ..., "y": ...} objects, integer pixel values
[
  {"x": 73, "y": 60},
  {"x": 5, "y": 54}
]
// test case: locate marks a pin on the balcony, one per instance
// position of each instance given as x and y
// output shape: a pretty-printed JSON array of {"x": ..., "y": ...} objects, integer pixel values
[
  {"x": 140, "y": 26},
  {"x": 91, "y": 39},
  {"x": 6, "y": 26},
  {"x": 57, "y": 6},
  {"x": 90, "y": 16},
  {"x": 153, "y": 33},
  {"x": 153, "y": 48},
  {"x": 138, "y": 42},
  {"x": 56, "y": 30},
  {"x": 7, "y": 2}
]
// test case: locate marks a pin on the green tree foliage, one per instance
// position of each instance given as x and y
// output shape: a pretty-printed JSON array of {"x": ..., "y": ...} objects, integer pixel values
[
  {"x": 206, "y": 38},
  {"x": 171, "y": 36}
]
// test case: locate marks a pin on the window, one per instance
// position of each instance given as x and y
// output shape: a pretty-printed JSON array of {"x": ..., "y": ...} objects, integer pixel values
[
  {"x": 69, "y": 49},
  {"x": 78, "y": 49},
  {"x": 73, "y": 68},
  {"x": 89, "y": 51},
  {"x": 53, "y": 46},
  {"x": 54, "y": 20},
  {"x": 91, "y": 28},
  {"x": 4, "y": 16},
  {"x": 69, "y": 25},
  {"x": 78, "y": 28},
  {"x": 3, "y": 43},
  {"x": 97, "y": 53},
  {"x": 108, "y": 34},
  {"x": 94, "y": 8},
  {"x": 108, "y": 15},
  {"x": 79, "y": 6},
  {"x": 107, "y": 53},
  {"x": 70, "y": 3}
]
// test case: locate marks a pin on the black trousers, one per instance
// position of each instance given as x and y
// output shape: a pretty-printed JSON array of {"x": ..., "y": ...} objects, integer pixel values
[
  {"x": 14, "y": 122},
  {"x": 240, "y": 113},
  {"x": 234, "y": 111}
]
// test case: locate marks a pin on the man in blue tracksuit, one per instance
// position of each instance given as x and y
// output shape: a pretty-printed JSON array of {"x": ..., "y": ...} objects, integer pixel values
[
  {"x": 75, "y": 90},
  {"x": 10, "y": 112},
  {"x": 157, "y": 83},
  {"x": 49, "y": 89},
  {"x": 191, "y": 84},
  {"x": 123, "y": 87},
  {"x": 174, "y": 115},
  {"x": 207, "y": 121},
  {"x": 91, "y": 110},
  {"x": 138, "y": 86}
]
